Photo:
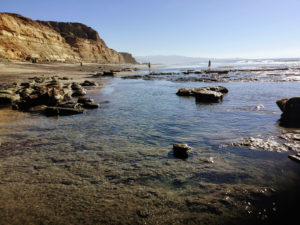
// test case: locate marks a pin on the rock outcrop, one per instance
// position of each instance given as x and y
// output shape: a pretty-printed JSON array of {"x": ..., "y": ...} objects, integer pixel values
[
  {"x": 205, "y": 94},
  {"x": 290, "y": 108},
  {"x": 24, "y": 39},
  {"x": 48, "y": 96}
]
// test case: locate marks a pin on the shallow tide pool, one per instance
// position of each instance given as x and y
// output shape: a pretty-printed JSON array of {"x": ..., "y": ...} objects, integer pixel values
[{"x": 114, "y": 165}]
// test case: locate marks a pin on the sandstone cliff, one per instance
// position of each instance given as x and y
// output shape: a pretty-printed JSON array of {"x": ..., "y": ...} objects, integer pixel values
[{"x": 24, "y": 39}]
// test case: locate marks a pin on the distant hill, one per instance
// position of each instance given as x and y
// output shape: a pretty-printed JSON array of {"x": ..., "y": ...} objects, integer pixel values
[
  {"x": 22, "y": 38},
  {"x": 170, "y": 59}
]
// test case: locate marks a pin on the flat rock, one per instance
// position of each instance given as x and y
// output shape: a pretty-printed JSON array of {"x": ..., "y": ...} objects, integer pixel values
[
  {"x": 59, "y": 111},
  {"x": 194, "y": 91}
]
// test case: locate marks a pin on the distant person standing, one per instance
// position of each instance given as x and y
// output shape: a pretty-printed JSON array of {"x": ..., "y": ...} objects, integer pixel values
[
  {"x": 80, "y": 64},
  {"x": 209, "y": 64},
  {"x": 149, "y": 66}
]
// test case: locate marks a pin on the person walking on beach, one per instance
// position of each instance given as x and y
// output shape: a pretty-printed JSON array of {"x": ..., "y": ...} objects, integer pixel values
[
  {"x": 149, "y": 66},
  {"x": 209, "y": 64}
]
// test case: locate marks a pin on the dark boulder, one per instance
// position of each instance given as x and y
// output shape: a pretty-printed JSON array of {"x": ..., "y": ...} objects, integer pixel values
[
  {"x": 281, "y": 104},
  {"x": 290, "y": 111},
  {"x": 181, "y": 150}
]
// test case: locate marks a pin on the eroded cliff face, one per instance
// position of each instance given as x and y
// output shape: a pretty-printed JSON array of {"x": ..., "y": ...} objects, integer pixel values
[{"x": 24, "y": 39}]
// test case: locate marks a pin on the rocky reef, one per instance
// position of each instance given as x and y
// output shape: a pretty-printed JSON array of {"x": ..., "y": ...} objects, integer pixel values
[
  {"x": 22, "y": 38},
  {"x": 48, "y": 96}
]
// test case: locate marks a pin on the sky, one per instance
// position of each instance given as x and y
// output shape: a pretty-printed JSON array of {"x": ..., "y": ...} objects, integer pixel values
[{"x": 196, "y": 28}]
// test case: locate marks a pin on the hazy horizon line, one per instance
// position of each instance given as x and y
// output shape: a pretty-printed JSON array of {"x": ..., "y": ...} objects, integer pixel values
[{"x": 203, "y": 57}]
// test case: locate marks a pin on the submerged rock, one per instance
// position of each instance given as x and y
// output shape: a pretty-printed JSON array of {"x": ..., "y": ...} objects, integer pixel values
[
  {"x": 269, "y": 144},
  {"x": 181, "y": 150},
  {"x": 60, "y": 111}
]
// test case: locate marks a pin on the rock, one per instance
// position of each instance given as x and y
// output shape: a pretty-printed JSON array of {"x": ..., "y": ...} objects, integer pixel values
[
  {"x": 79, "y": 92},
  {"x": 64, "y": 78},
  {"x": 132, "y": 77},
  {"x": 90, "y": 105},
  {"x": 9, "y": 92},
  {"x": 185, "y": 92},
  {"x": 38, "y": 109},
  {"x": 108, "y": 73},
  {"x": 88, "y": 83},
  {"x": 208, "y": 160},
  {"x": 208, "y": 96},
  {"x": 6, "y": 99},
  {"x": 221, "y": 89},
  {"x": 70, "y": 105},
  {"x": 87, "y": 103},
  {"x": 59, "y": 111},
  {"x": 85, "y": 100},
  {"x": 259, "y": 107},
  {"x": 75, "y": 86},
  {"x": 181, "y": 150},
  {"x": 295, "y": 157},
  {"x": 281, "y": 104},
  {"x": 193, "y": 91},
  {"x": 269, "y": 144},
  {"x": 290, "y": 111}
]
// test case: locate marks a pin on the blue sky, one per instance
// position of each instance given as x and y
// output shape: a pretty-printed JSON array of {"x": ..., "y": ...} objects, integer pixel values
[{"x": 210, "y": 28}]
